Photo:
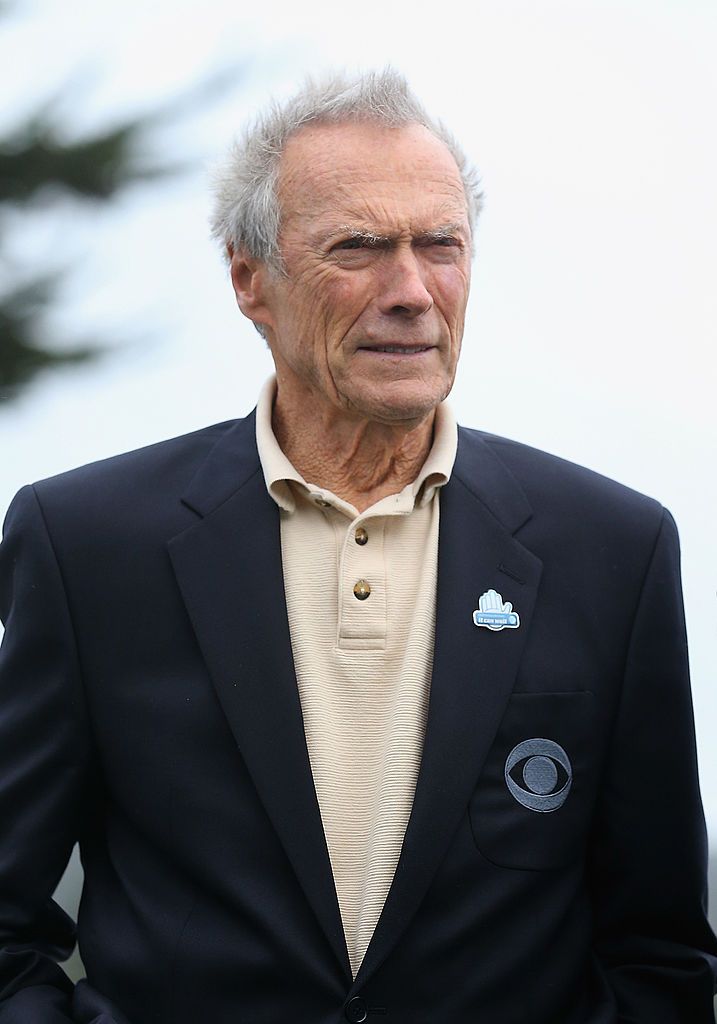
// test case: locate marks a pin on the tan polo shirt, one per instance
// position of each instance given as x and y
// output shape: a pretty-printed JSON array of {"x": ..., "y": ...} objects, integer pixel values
[{"x": 363, "y": 665}]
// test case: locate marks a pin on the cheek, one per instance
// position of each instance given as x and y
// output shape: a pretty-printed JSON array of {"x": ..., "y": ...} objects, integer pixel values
[
  {"x": 451, "y": 293},
  {"x": 328, "y": 298},
  {"x": 342, "y": 302},
  {"x": 353, "y": 289}
]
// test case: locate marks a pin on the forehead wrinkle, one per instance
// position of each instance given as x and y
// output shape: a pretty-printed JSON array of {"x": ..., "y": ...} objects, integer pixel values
[
  {"x": 335, "y": 188},
  {"x": 387, "y": 215},
  {"x": 325, "y": 165},
  {"x": 348, "y": 170}
]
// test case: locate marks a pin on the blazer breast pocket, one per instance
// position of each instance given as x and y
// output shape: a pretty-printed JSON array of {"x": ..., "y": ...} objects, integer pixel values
[{"x": 532, "y": 805}]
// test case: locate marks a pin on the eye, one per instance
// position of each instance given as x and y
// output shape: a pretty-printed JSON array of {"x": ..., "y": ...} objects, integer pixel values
[
  {"x": 444, "y": 248},
  {"x": 351, "y": 243},
  {"x": 539, "y": 775}
]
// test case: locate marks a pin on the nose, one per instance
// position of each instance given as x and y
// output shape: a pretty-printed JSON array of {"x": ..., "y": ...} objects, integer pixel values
[{"x": 404, "y": 292}]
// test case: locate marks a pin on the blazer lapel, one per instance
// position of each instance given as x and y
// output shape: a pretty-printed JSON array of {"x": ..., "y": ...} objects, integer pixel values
[
  {"x": 473, "y": 670},
  {"x": 229, "y": 571}
]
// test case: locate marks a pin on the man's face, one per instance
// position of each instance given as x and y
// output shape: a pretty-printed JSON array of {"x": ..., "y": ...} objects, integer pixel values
[{"x": 376, "y": 245}]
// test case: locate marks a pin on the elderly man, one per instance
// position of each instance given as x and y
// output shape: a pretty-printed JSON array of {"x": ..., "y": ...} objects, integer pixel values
[{"x": 355, "y": 715}]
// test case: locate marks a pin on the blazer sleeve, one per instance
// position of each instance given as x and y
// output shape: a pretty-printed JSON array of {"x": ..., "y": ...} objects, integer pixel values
[
  {"x": 44, "y": 756},
  {"x": 649, "y": 851}
]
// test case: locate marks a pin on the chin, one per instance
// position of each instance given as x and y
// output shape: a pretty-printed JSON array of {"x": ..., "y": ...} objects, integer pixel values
[{"x": 402, "y": 403}]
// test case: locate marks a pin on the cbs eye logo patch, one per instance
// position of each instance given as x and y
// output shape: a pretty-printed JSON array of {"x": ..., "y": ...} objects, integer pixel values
[{"x": 539, "y": 775}]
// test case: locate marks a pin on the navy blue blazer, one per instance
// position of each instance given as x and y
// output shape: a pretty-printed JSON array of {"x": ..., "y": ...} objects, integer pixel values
[{"x": 149, "y": 710}]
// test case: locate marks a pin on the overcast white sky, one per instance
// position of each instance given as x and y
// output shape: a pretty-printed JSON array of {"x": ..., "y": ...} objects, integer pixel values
[{"x": 593, "y": 319}]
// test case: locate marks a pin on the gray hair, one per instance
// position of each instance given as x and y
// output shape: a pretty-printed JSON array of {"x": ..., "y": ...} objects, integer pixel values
[{"x": 246, "y": 208}]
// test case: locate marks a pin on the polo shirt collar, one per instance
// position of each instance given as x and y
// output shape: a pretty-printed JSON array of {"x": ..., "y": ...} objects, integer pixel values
[{"x": 281, "y": 477}]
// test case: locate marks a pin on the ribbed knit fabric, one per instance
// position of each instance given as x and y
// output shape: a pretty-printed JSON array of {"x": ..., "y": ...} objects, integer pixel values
[{"x": 363, "y": 667}]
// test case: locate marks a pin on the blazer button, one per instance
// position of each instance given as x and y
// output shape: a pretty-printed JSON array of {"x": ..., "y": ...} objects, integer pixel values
[{"x": 356, "y": 1010}]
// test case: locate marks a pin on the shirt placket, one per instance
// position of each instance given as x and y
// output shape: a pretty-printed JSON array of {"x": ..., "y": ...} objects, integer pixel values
[{"x": 363, "y": 586}]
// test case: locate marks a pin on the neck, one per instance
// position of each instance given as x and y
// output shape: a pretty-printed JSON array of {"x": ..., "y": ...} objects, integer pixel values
[{"x": 359, "y": 460}]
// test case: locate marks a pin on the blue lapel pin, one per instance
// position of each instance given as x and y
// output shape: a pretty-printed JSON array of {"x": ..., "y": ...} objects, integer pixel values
[{"x": 493, "y": 613}]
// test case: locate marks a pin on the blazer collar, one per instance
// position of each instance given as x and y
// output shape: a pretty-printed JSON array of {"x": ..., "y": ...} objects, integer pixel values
[
  {"x": 489, "y": 480},
  {"x": 232, "y": 461}
]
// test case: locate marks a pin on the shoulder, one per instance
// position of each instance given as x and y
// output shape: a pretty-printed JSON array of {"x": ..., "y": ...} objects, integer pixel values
[
  {"x": 561, "y": 497},
  {"x": 164, "y": 466},
  {"x": 140, "y": 490},
  {"x": 546, "y": 477},
  {"x": 173, "y": 458}
]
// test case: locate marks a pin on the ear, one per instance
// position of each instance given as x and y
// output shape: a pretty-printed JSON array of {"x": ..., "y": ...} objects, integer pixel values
[{"x": 250, "y": 281}]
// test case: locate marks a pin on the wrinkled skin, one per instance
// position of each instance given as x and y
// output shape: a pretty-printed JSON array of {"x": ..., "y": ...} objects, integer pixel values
[{"x": 376, "y": 246}]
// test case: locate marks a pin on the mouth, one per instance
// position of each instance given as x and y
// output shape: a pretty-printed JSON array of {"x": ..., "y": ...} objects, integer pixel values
[{"x": 397, "y": 350}]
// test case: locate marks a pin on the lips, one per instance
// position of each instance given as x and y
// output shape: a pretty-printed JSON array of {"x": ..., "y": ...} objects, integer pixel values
[{"x": 397, "y": 350}]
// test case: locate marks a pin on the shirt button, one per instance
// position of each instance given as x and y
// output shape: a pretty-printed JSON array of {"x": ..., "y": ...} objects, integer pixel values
[
  {"x": 361, "y": 590},
  {"x": 361, "y": 537},
  {"x": 322, "y": 503},
  {"x": 356, "y": 1010}
]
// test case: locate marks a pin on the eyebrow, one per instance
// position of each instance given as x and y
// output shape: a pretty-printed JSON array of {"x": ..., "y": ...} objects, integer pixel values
[
  {"x": 362, "y": 235},
  {"x": 374, "y": 240},
  {"x": 443, "y": 231}
]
